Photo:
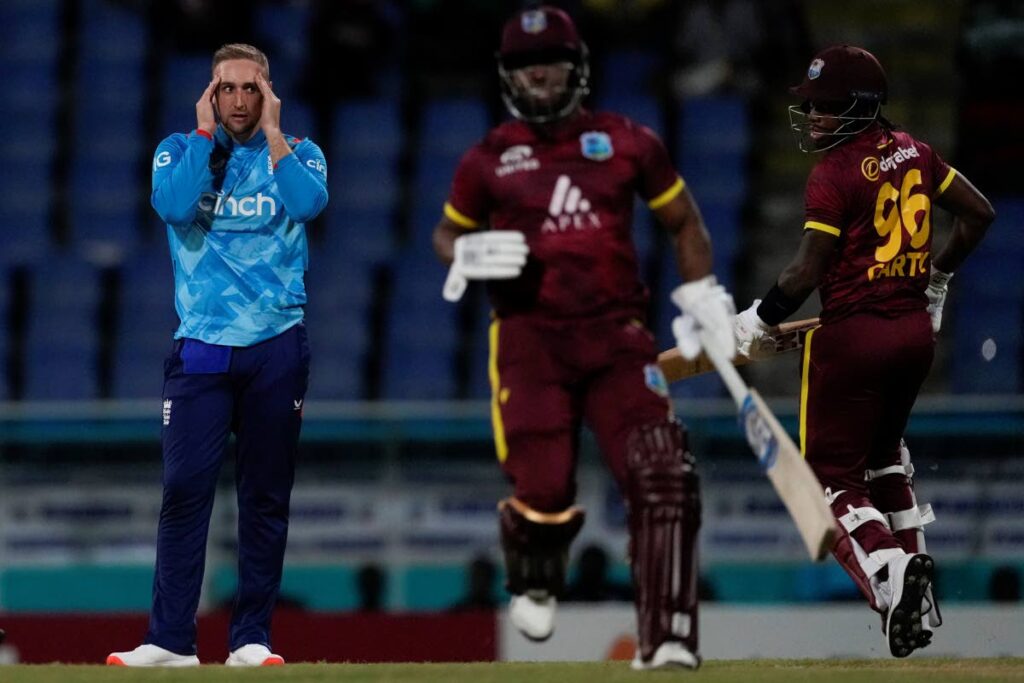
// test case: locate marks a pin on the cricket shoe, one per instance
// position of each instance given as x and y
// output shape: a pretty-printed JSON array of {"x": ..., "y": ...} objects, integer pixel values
[
  {"x": 670, "y": 655},
  {"x": 150, "y": 655},
  {"x": 533, "y": 615},
  {"x": 910, "y": 575},
  {"x": 254, "y": 654}
]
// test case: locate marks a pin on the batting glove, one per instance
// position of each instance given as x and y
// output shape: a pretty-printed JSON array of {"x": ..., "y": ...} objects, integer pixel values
[
  {"x": 938, "y": 287},
  {"x": 706, "y": 307},
  {"x": 487, "y": 255},
  {"x": 753, "y": 335}
]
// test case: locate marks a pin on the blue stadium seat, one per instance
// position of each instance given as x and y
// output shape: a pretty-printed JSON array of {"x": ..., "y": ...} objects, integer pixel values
[
  {"x": 989, "y": 347},
  {"x": 366, "y": 129},
  {"x": 183, "y": 82},
  {"x": 4, "y": 332},
  {"x": 359, "y": 235},
  {"x": 422, "y": 332},
  {"x": 642, "y": 109},
  {"x": 112, "y": 33},
  {"x": 629, "y": 71},
  {"x": 450, "y": 126},
  {"x": 717, "y": 124},
  {"x": 146, "y": 321},
  {"x": 62, "y": 340}
]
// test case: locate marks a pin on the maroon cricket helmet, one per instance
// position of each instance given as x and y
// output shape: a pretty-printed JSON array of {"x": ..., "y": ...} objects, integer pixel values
[
  {"x": 544, "y": 35},
  {"x": 841, "y": 73}
]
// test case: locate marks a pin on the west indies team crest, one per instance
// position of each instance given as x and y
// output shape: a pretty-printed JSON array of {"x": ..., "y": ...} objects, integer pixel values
[{"x": 596, "y": 145}]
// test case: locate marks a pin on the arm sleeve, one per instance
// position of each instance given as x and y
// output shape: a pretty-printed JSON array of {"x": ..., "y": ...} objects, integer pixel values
[
  {"x": 659, "y": 181},
  {"x": 181, "y": 170},
  {"x": 823, "y": 203},
  {"x": 469, "y": 201},
  {"x": 302, "y": 182}
]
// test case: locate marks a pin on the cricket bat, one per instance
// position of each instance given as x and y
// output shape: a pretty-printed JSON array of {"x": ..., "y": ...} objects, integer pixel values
[
  {"x": 780, "y": 459},
  {"x": 789, "y": 337}
]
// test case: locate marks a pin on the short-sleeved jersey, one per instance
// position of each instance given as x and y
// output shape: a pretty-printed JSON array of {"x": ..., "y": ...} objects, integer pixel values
[
  {"x": 875, "y": 195},
  {"x": 572, "y": 196},
  {"x": 235, "y": 226}
]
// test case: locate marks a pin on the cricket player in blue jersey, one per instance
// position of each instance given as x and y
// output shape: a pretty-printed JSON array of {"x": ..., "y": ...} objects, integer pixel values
[{"x": 235, "y": 194}]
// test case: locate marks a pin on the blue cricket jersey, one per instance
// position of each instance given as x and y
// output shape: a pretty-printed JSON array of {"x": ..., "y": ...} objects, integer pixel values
[{"x": 236, "y": 229}]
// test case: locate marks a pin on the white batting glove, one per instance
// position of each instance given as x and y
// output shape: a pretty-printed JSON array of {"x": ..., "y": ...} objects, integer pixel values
[
  {"x": 487, "y": 255},
  {"x": 753, "y": 335},
  {"x": 707, "y": 307},
  {"x": 938, "y": 287}
]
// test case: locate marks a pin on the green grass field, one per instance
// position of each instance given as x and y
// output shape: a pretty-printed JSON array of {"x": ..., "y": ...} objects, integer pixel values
[{"x": 766, "y": 671}]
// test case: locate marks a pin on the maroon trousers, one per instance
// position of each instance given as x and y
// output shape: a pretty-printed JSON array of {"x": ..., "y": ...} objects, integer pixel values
[
  {"x": 861, "y": 376},
  {"x": 547, "y": 378}
]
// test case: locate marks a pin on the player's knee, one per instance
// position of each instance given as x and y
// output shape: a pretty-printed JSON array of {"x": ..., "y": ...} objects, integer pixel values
[{"x": 661, "y": 468}]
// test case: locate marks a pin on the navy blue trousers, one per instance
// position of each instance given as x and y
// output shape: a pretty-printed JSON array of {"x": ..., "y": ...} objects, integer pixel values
[{"x": 257, "y": 393}]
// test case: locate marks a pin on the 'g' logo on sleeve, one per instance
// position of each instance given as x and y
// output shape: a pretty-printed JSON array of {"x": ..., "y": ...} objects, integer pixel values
[{"x": 161, "y": 160}]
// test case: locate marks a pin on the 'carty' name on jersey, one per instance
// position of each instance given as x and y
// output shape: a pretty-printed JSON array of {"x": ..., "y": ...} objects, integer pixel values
[
  {"x": 219, "y": 205},
  {"x": 898, "y": 157}
]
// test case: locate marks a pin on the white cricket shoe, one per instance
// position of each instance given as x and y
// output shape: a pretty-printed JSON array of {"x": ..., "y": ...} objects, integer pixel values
[
  {"x": 670, "y": 654},
  {"x": 150, "y": 655},
  {"x": 910, "y": 575},
  {"x": 254, "y": 654},
  {"x": 533, "y": 615}
]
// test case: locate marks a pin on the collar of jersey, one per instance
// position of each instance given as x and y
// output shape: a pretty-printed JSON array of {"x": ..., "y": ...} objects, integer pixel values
[{"x": 225, "y": 140}]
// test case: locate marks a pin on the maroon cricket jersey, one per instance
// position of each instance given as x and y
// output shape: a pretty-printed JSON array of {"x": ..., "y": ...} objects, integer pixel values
[
  {"x": 875, "y": 194},
  {"x": 572, "y": 196}
]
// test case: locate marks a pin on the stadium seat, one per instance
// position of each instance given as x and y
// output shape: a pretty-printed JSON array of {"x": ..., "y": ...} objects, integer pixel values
[
  {"x": 366, "y": 129},
  {"x": 146, "y": 321},
  {"x": 62, "y": 340},
  {"x": 422, "y": 332},
  {"x": 450, "y": 126}
]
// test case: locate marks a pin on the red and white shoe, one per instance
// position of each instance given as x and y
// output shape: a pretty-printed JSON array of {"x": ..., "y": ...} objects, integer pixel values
[
  {"x": 150, "y": 655},
  {"x": 254, "y": 654}
]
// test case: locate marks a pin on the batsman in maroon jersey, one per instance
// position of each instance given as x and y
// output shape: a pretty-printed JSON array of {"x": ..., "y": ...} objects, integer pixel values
[
  {"x": 867, "y": 248},
  {"x": 542, "y": 209}
]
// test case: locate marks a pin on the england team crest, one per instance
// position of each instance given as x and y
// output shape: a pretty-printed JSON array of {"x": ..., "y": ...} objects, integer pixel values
[{"x": 596, "y": 145}]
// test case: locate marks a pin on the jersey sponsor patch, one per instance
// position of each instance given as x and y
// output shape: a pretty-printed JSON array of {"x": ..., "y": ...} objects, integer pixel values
[
  {"x": 596, "y": 145},
  {"x": 161, "y": 160},
  {"x": 869, "y": 168},
  {"x": 516, "y": 158},
  {"x": 655, "y": 380},
  {"x": 569, "y": 209}
]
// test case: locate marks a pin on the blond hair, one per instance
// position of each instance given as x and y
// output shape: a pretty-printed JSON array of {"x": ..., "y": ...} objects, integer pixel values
[{"x": 242, "y": 51}]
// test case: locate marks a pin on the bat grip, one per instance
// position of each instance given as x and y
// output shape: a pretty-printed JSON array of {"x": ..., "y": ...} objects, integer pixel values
[{"x": 733, "y": 382}]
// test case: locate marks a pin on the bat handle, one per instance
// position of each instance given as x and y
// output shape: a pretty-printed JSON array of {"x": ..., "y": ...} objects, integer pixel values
[{"x": 733, "y": 382}]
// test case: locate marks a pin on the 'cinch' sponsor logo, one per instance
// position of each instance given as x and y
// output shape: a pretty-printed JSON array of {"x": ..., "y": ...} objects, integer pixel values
[{"x": 253, "y": 205}]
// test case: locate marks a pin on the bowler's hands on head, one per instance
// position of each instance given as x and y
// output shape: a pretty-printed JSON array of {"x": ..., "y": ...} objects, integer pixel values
[
  {"x": 270, "y": 117},
  {"x": 206, "y": 114},
  {"x": 754, "y": 337},
  {"x": 707, "y": 312},
  {"x": 486, "y": 255}
]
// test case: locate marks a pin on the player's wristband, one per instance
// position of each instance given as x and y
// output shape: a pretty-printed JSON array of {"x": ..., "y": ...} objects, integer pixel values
[
  {"x": 776, "y": 306},
  {"x": 205, "y": 134}
]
